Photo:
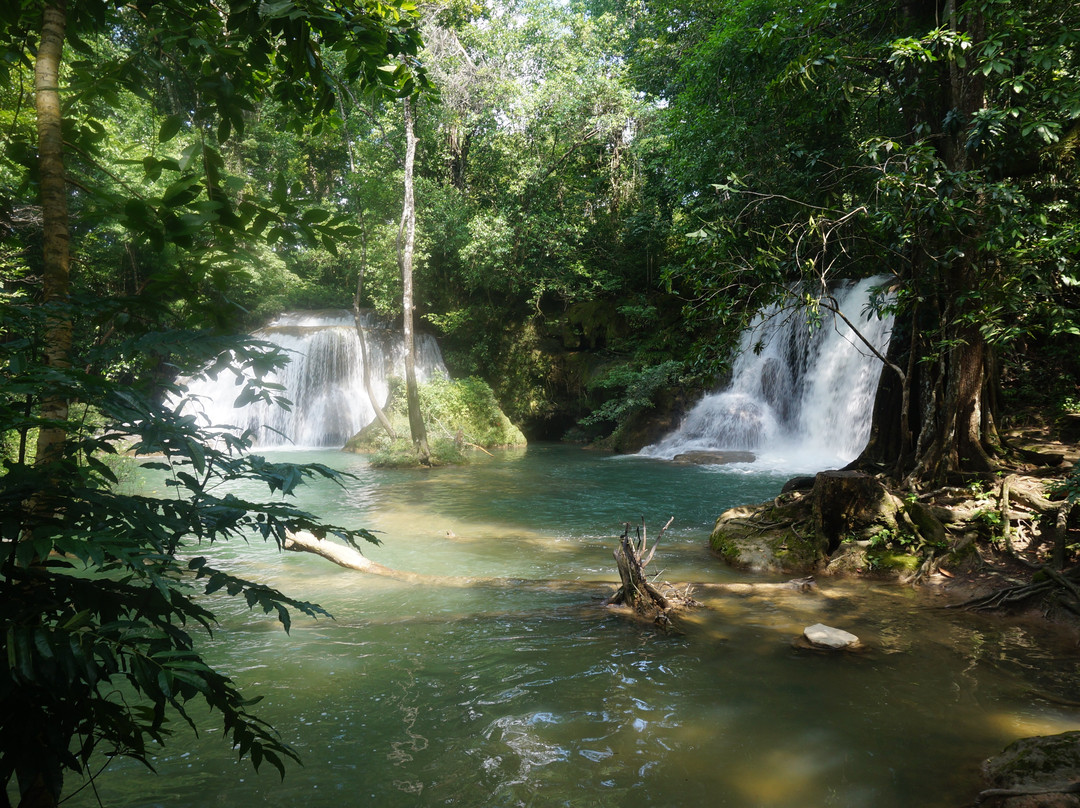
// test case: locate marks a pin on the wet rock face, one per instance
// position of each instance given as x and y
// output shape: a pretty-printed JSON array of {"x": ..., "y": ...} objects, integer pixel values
[
  {"x": 714, "y": 458},
  {"x": 1042, "y": 771}
]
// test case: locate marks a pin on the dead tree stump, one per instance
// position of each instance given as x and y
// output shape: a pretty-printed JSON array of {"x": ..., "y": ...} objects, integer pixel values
[{"x": 656, "y": 601}]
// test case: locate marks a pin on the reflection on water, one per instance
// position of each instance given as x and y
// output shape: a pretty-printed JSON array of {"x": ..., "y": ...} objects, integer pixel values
[{"x": 416, "y": 696}]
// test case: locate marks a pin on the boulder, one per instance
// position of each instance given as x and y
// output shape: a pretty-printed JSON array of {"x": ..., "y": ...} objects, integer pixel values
[
  {"x": 1042, "y": 771},
  {"x": 769, "y": 537}
]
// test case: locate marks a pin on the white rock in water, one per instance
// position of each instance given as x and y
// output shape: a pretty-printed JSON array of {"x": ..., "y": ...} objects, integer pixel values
[{"x": 829, "y": 637}]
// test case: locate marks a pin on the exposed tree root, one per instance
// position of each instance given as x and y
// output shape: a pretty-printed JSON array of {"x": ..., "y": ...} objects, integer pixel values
[
  {"x": 1051, "y": 580},
  {"x": 990, "y": 793}
]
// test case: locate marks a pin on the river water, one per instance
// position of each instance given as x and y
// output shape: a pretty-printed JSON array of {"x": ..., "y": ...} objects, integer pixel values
[{"x": 521, "y": 696}]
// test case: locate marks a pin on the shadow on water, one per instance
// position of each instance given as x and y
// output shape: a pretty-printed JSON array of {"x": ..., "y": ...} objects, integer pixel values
[{"x": 416, "y": 696}]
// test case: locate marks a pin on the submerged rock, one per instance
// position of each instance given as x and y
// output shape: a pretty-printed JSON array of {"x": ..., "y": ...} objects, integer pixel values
[{"x": 714, "y": 458}]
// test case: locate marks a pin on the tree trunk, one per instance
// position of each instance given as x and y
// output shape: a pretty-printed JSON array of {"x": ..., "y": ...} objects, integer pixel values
[
  {"x": 946, "y": 404},
  {"x": 358, "y": 322},
  {"x": 38, "y": 771},
  {"x": 637, "y": 591},
  {"x": 55, "y": 234},
  {"x": 406, "y": 242}
]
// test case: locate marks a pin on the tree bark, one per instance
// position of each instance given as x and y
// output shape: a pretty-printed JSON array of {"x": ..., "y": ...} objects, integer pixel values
[
  {"x": 39, "y": 773},
  {"x": 406, "y": 243},
  {"x": 636, "y": 591},
  {"x": 56, "y": 235}
]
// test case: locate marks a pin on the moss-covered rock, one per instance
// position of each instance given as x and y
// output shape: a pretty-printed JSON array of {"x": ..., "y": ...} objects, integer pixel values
[
  {"x": 1045, "y": 766},
  {"x": 458, "y": 413},
  {"x": 401, "y": 454},
  {"x": 771, "y": 537}
]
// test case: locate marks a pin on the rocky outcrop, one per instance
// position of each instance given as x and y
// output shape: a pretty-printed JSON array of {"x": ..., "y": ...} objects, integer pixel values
[
  {"x": 1040, "y": 772},
  {"x": 714, "y": 458},
  {"x": 846, "y": 521},
  {"x": 771, "y": 537}
]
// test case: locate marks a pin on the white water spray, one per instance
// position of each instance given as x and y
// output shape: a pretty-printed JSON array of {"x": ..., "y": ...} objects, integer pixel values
[
  {"x": 324, "y": 380},
  {"x": 800, "y": 396}
]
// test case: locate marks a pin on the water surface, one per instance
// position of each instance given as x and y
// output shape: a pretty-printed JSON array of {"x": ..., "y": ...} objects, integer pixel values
[{"x": 517, "y": 696}]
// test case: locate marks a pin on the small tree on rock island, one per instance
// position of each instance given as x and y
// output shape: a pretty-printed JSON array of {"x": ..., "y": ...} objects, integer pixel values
[{"x": 98, "y": 586}]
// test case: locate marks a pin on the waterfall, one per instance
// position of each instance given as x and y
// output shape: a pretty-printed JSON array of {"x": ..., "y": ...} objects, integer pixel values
[
  {"x": 324, "y": 380},
  {"x": 801, "y": 393}
]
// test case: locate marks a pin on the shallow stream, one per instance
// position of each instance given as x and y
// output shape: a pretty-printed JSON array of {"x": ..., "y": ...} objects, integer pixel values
[{"x": 518, "y": 696}]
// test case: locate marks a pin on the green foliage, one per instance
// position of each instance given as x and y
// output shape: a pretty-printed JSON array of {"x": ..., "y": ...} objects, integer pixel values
[
  {"x": 467, "y": 407},
  {"x": 892, "y": 550},
  {"x": 159, "y": 150},
  {"x": 507, "y": 354},
  {"x": 401, "y": 454},
  {"x": 1072, "y": 484},
  {"x": 458, "y": 413},
  {"x": 101, "y": 592},
  {"x": 636, "y": 390},
  {"x": 989, "y": 519},
  {"x": 530, "y": 194},
  {"x": 101, "y": 588}
]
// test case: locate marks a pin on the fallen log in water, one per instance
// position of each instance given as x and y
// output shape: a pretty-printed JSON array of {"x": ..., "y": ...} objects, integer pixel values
[
  {"x": 350, "y": 558},
  {"x": 795, "y": 584}
]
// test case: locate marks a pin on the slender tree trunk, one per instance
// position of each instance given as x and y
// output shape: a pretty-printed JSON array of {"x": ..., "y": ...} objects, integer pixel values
[
  {"x": 406, "y": 242},
  {"x": 357, "y": 320},
  {"x": 55, "y": 235},
  {"x": 38, "y": 770}
]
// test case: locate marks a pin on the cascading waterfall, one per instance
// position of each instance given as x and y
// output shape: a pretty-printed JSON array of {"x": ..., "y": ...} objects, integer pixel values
[
  {"x": 801, "y": 395},
  {"x": 324, "y": 380}
]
